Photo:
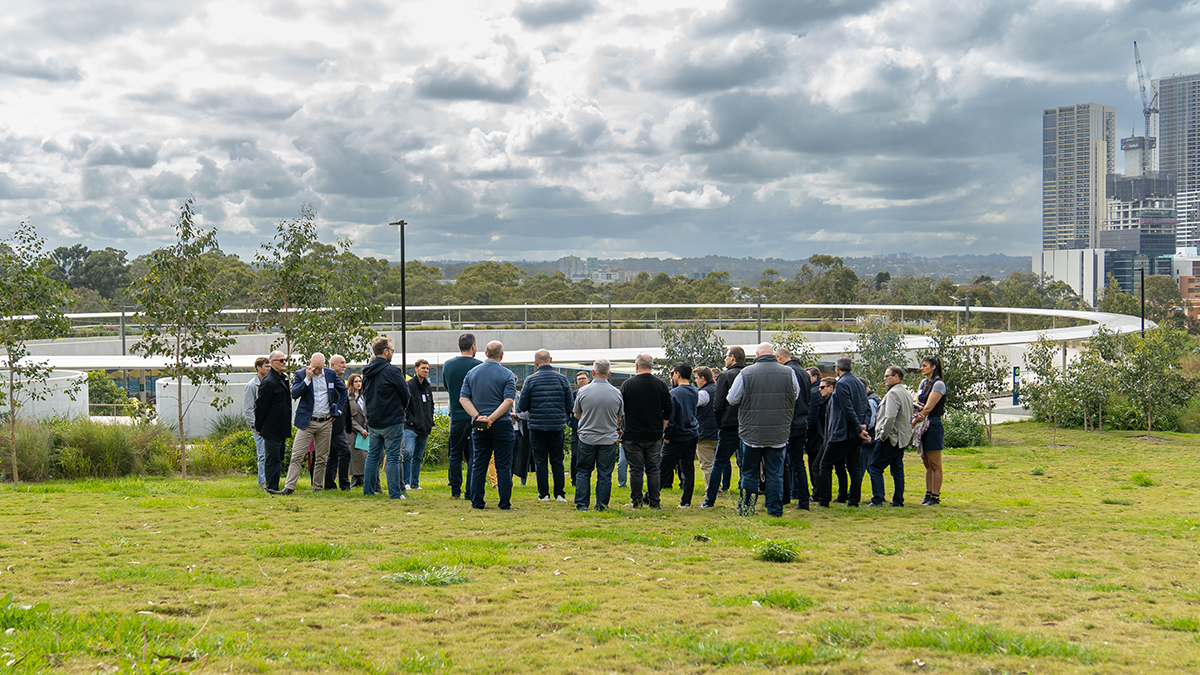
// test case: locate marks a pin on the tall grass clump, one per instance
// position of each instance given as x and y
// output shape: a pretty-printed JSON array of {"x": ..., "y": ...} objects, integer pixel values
[
  {"x": 81, "y": 448},
  {"x": 35, "y": 451},
  {"x": 227, "y": 423},
  {"x": 780, "y": 551},
  {"x": 233, "y": 452}
]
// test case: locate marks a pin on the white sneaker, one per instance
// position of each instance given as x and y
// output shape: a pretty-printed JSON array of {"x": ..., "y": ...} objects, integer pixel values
[
  {"x": 406, "y": 487},
  {"x": 544, "y": 499},
  {"x": 562, "y": 498},
  {"x": 685, "y": 506}
]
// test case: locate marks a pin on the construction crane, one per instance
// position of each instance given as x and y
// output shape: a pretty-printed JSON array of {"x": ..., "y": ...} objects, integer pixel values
[{"x": 1148, "y": 108}]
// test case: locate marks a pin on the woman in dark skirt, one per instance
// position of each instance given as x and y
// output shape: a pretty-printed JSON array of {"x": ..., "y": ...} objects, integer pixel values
[{"x": 931, "y": 404}]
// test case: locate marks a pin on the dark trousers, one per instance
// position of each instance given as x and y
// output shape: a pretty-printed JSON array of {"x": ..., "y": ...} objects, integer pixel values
[
  {"x": 728, "y": 445},
  {"x": 887, "y": 456},
  {"x": 459, "y": 453},
  {"x": 797, "y": 475},
  {"x": 644, "y": 458},
  {"x": 337, "y": 469},
  {"x": 602, "y": 458},
  {"x": 547, "y": 447},
  {"x": 681, "y": 455},
  {"x": 866, "y": 456},
  {"x": 574, "y": 455},
  {"x": 275, "y": 448},
  {"x": 848, "y": 451},
  {"x": 771, "y": 460},
  {"x": 497, "y": 440}
]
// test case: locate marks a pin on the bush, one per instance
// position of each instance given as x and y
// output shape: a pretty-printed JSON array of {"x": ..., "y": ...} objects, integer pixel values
[
  {"x": 963, "y": 430},
  {"x": 437, "y": 448},
  {"x": 234, "y": 452},
  {"x": 81, "y": 448},
  {"x": 109, "y": 399},
  {"x": 227, "y": 423},
  {"x": 35, "y": 451},
  {"x": 1189, "y": 419}
]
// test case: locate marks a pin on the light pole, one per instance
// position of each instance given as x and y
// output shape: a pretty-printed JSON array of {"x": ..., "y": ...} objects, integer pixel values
[
  {"x": 403, "y": 302},
  {"x": 966, "y": 300},
  {"x": 610, "y": 317},
  {"x": 759, "y": 316},
  {"x": 1142, "y": 291}
]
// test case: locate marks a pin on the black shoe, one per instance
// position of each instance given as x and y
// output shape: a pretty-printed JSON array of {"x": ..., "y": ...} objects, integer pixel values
[
  {"x": 803, "y": 507},
  {"x": 287, "y": 491},
  {"x": 581, "y": 509},
  {"x": 871, "y": 505},
  {"x": 933, "y": 500},
  {"x": 273, "y": 491},
  {"x": 823, "y": 505},
  {"x": 851, "y": 506},
  {"x": 706, "y": 505},
  {"x": 895, "y": 505}
]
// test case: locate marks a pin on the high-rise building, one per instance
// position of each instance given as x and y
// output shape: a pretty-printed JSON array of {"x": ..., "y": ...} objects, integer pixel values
[
  {"x": 1179, "y": 149},
  {"x": 1141, "y": 213},
  {"x": 1079, "y": 150}
]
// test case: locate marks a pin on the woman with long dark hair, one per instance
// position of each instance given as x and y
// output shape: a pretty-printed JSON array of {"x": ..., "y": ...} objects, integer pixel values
[
  {"x": 358, "y": 428},
  {"x": 931, "y": 401}
]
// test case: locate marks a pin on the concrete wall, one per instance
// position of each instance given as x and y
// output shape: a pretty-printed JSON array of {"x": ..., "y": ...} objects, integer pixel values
[
  {"x": 199, "y": 414},
  {"x": 56, "y": 399}
]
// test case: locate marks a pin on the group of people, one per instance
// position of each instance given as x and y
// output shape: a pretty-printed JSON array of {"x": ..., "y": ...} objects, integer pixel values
[
  {"x": 767, "y": 415},
  {"x": 349, "y": 428}
]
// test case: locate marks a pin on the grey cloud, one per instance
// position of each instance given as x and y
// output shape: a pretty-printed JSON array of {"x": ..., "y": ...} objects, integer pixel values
[
  {"x": 712, "y": 69},
  {"x": 102, "y": 182},
  {"x": 230, "y": 105},
  {"x": 553, "y": 12},
  {"x": 77, "y": 21},
  {"x": 166, "y": 185},
  {"x": 783, "y": 15},
  {"x": 110, "y": 154},
  {"x": 733, "y": 116},
  {"x": 345, "y": 167},
  {"x": 260, "y": 174},
  {"x": 360, "y": 10},
  {"x": 77, "y": 147},
  {"x": 46, "y": 69},
  {"x": 570, "y": 135},
  {"x": 464, "y": 81},
  {"x": 11, "y": 189}
]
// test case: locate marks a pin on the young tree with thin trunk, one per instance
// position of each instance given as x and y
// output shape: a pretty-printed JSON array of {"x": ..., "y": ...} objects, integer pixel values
[
  {"x": 31, "y": 308},
  {"x": 1151, "y": 372},
  {"x": 879, "y": 343},
  {"x": 180, "y": 309}
]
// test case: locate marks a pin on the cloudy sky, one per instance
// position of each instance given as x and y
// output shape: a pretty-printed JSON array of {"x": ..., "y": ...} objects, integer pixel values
[{"x": 544, "y": 128}]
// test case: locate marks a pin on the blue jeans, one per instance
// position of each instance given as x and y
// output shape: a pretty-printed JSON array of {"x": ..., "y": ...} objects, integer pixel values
[
  {"x": 601, "y": 457},
  {"x": 260, "y": 451},
  {"x": 772, "y": 461},
  {"x": 866, "y": 455},
  {"x": 728, "y": 444},
  {"x": 414, "y": 454},
  {"x": 497, "y": 440},
  {"x": 887, "y": 456},
  {"x": 547, "y": 448},
  {"x": 622, "y": 469},
  {"x": 391, "y": 440}
]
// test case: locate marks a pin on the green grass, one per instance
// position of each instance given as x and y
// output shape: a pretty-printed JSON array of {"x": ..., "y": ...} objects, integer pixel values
[
  {"x": 1142, "y": 479},
  {"x": 307, "y": 551},
  {"x": 430, "y": 576},
  {"x": 1013, "y": 572},
  {"x": 777, "y": 551}
]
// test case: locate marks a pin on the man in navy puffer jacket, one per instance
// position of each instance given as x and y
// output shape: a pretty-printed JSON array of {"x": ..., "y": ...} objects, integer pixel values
[{"x": 548, "y": 399}]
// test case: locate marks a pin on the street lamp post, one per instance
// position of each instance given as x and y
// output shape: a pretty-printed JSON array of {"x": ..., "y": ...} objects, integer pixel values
[
  {"x": 403, "y": 302},
  {"x": 610, "y": 317},
  {"x": 1142, "y": 291}
]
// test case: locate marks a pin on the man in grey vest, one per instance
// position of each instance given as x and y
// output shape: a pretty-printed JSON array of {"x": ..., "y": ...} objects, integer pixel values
[{"x": 765, "y": 393}]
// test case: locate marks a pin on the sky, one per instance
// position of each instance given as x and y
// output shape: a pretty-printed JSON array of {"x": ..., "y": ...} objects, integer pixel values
[{"x": 533, "y": 130}]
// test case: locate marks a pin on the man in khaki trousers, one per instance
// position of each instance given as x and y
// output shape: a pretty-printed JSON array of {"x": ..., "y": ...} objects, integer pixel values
[{"x": 322, "y": 396}]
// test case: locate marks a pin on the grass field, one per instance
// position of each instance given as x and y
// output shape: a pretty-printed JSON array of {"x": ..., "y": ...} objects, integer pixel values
[{"x": 1080, "y": 558}]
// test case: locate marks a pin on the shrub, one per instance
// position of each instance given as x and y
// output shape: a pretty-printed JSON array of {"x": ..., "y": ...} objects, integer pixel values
[
  {"x": 81, "y": 448},
  {"x": 227, "y": 423},
  {"x": 234, "y": 452},
  {"x": 963, "y": 429},
  {"x": 35, "y": 450},
  {"x": 109, "y": 398},
  {"x": 437, "y": 448},
  {"x": 1189, "y": 418}
]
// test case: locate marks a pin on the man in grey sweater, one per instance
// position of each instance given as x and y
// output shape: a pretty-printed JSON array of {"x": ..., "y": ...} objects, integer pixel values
[
  {"x": 599, "y": 408},
  {"x": 765, "y": 393},
  {"x": 249, "y": 397},
  {"x": 893, "y": 431}
]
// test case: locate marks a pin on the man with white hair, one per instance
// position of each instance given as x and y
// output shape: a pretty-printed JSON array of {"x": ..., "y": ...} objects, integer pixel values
[
  {"x": 765, "y": 393},
  {"x": 337, "y": 470},
  {"x": 647, "y": 411},
  {"x": 322, "y": 395}
]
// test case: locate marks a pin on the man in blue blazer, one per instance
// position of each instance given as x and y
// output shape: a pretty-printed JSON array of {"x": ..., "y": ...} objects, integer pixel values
[
  {"x": 848, "y": 417},
  {"x": 322, "y": 397}
]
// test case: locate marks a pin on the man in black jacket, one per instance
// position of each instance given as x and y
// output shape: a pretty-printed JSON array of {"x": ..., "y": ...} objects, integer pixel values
[
  {"x": 273, "y": 417},
  {"x": 385, "y": 395},
  {"x": 795, "y": 478},
  {"x": 547, "y": 397},
  {"x": 647, "y": 403},
  {"x": 728, "y": 443},
  {"x": 418, "y": 423},
  {"x": 847, "y": 429}
]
